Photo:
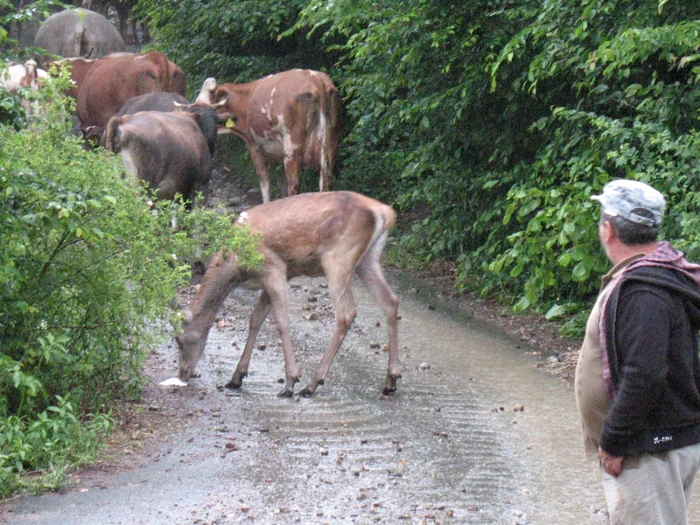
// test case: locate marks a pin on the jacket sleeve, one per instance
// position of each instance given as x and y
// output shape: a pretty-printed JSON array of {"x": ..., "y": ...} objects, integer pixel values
[{"x": 642, "y": 336}]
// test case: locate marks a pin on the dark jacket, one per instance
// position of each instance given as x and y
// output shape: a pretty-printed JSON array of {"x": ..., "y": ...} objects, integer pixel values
[{"x": 651, "y": 334}]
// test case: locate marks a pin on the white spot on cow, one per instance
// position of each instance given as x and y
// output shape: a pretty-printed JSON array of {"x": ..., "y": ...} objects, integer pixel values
[
  {"x": 243, "y": 217},
  {"x": 287, "y": 145},
  {"x": 324, "y": 168},
  {"x": 266, "y": 109},
  {"x": 276, "y": 142}
]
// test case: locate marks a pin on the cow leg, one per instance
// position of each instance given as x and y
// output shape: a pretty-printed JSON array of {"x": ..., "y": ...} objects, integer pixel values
[
  {"x": 370, "y": 272},
  {"x": 261, "y": 169},
  {"x": 345, "y": 312},
  {"x": 324, "y": 183},
  {"x": 325, "y": 163},
  {"x": 257, "y": 317},
  {"x": 291, "y": 171},
  {"x": 167, "y": 189}
]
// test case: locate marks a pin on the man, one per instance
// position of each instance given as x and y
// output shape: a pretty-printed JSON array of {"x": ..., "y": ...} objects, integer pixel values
[{"x": 638, "y": 374}]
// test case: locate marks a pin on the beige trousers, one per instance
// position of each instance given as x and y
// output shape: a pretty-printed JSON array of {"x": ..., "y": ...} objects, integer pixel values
[{"x": 654, "y": 490}]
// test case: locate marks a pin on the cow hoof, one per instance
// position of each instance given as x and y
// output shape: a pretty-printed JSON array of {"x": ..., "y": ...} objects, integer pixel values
[
  {"x": 236, "y": 381},
  {"x": 286, "y": 393},
  {"x": 390, "y": 384},
  {"x": 306, "y": 392},
  {"x": 232, "y": 385}
]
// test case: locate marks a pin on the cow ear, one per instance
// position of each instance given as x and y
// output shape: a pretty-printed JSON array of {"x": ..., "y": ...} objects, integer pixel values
[{"x": 229, "y": 119}]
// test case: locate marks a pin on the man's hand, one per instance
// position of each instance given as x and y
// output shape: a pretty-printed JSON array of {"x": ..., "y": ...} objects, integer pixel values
[{"x": 611, "y": 464}]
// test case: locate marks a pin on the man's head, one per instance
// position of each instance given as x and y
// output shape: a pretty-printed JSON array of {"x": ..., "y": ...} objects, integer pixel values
[{"x": 634, "y": 209}]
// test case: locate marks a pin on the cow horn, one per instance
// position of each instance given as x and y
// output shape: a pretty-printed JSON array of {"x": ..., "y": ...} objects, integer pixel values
[
  {"x": 220, "y": 103},
  {"x": 180, "y": 106}
]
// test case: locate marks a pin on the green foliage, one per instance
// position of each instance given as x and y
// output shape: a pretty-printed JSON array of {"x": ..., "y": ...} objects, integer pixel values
[
  {"x": 89, "y": 267},
  {"x": 11, "y": 111},
  {"x": 231, "y": 41},
  {"x": 56, "y": 440},
  {"x": 489, "y": 125},
  {"x": 493, "y": 127},
  {"x": 633, "y": 113},
  {"x": 13, "y": 15}
]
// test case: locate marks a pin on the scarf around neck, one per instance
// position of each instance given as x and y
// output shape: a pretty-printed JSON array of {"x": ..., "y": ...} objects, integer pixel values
[{"x": 665, "y": 256}]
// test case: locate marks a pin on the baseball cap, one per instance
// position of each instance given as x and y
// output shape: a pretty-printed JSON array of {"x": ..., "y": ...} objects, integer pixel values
[{"x": 626, "y": 198}]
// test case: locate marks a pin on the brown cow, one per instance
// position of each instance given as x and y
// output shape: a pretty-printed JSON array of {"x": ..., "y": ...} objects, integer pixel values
[
  {"x": 79, "y": 68},
  {"x": 113, "y": 80},
  {"x": 336, "y": 234},
  {"x": 291, "y": 118}
]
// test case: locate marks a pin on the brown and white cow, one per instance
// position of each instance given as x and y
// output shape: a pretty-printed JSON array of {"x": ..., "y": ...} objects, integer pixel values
[
  {"x": 336, "y": 234},
  {"x": 113, "y": 80},
  {"x": 26, "y": 75},
  {"x": 166, "y": 150},
  {"x": 290, "y": 118}
]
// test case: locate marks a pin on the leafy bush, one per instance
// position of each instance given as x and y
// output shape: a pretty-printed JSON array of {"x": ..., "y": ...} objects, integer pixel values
[
  {"x": 493, "y": 126},
  {"x": 55, "y": 440},
  {"x": 231, "y": 41},
  {"x": 488, "y": 124},
  {"x": 633, "y": 114},
  {"x": 89, "y": 268}
]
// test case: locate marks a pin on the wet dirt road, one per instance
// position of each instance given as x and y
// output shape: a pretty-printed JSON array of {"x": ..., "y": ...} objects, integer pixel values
[
  {"x": 475, "y": 434},
  {"x": 452, "y": 446}
]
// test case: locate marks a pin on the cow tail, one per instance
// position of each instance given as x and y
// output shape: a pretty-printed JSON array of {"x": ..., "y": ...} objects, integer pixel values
[
  {"x": 112, "y": 142},
  {"x": 310, "y": 105},
  {"x": 315, "y": 130},
  {"x": 78, "y": 40}
]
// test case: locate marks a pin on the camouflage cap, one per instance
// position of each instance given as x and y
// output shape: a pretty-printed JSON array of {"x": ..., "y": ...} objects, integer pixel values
[{"x": 627, "y": 198}]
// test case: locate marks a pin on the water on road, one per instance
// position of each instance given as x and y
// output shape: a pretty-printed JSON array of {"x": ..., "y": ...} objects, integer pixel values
[{"x": 476, "y": 434}]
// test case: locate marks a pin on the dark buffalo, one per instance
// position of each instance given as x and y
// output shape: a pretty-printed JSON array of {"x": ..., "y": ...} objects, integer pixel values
[
  {"x": 208, "y": 120},
  {"x": 170, "y": 151},
  {"x": 79, "y": 32}
]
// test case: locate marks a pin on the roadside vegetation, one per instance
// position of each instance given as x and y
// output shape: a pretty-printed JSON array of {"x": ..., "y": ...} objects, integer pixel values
[
  {"x": 89, "y": 268},
  {"x": 487, "y": 124}
]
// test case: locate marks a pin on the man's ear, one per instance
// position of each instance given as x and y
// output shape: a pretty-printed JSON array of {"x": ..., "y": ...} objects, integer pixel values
[{"x": 608, "y": 232}]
